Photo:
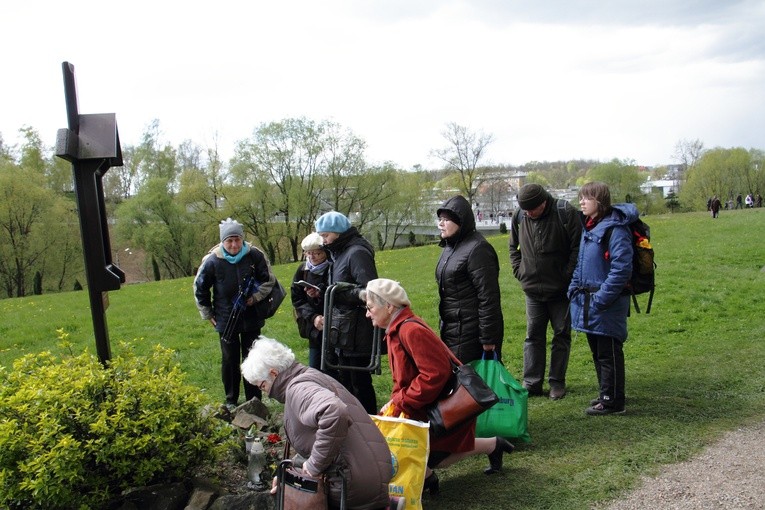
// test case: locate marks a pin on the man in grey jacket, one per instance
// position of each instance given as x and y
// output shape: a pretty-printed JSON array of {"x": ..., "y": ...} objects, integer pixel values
[{"x": 544, "y": 244}]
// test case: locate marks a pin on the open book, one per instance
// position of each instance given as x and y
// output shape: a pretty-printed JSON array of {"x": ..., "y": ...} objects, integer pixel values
[{"x": 307, "y": 285}]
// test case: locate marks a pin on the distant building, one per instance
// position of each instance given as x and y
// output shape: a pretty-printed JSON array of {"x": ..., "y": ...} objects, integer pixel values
[{"x": 665, "y": 185}]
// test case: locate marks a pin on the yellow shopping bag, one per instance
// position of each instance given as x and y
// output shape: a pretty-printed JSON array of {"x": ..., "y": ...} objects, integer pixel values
[{"x": 409, "y": 445}]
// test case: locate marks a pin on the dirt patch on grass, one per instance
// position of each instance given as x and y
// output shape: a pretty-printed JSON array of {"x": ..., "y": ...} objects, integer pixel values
[{"x": 727, "y": 475}]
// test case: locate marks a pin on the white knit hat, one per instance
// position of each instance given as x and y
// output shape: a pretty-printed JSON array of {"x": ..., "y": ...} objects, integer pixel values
[{"x": 390, "y": 291}]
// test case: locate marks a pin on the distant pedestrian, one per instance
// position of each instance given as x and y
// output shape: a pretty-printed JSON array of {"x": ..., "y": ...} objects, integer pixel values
[
  {"x": 749, "y": 200},
  {"x": 739, "y": 202},
  {"x": 714, "y": 206}
]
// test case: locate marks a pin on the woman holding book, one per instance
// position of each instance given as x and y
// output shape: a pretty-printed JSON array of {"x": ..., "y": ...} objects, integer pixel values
[{"x": 307, "y": 293}]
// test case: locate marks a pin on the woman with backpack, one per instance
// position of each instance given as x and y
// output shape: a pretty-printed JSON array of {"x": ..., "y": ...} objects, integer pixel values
[{"x": 599, "y": 304}]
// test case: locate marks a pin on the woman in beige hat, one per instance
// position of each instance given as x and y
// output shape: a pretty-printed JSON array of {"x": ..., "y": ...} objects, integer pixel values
[{"x": 420, "y": 366}]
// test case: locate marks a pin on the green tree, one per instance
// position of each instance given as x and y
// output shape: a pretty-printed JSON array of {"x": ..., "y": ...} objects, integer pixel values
[
  {"x": 623, "y": 179},
  {"x": 345, "y": 185},
  {"x": 25, "y": 204},
  {"x": 155, "y": 158},
  {"x": 688, "y": 153},
  {"x": 255, "y": 205},
  {"x": 721, "y": 172},
  {"x": 280, "y": 164},
  {"x": 289, "y": 172},
  {"x": 64, "y": 262},
  {"x": 672, "y": 202},
  {"x": 201, "y": 188},
  {"x": 120, "y": 183},
  {"x": 398, "y": 205},
  {"x": 160, "y": 224},
  {"x": 757, "y": 158}
]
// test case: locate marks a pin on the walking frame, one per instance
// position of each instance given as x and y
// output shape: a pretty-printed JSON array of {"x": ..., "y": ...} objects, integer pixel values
[{"x": 327, "y": 350}]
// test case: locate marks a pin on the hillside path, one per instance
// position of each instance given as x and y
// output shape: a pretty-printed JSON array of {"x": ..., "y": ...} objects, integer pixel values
[{"x": 729, "y": 474}]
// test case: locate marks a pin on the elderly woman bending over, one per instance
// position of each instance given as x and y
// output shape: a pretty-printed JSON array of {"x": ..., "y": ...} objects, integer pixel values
[
  {"x": 325, "y": 424},
  {"x": 420, "y": 366}
]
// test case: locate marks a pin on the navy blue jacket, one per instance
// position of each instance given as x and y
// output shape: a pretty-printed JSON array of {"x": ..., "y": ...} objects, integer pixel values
[
  {"x": 218, "y": 281},
  {"x": 599, "y": 304}
]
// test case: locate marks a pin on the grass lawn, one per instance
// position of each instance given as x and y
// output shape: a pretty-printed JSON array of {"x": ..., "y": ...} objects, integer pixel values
[{"x": 695, "y": 365}]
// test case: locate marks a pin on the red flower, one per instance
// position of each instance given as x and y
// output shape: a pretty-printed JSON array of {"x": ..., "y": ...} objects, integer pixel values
[{"x": 273, "y": 438}]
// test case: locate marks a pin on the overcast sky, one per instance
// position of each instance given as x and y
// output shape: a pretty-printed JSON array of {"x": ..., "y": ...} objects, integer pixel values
[{"x": 549, "y": 79}]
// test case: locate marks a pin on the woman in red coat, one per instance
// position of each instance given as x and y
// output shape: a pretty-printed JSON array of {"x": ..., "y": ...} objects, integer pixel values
[{"x": 420, "y": 366}]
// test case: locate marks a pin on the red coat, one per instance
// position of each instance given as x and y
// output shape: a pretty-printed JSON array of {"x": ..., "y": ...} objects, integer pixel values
[{"x": 420, "y": 366}]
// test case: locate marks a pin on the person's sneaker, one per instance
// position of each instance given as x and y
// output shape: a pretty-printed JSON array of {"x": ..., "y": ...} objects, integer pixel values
[
  {"x": 599, "y": 409},
  {"x": 557, "y": 392},
  {"x": 595, "y": 401}
]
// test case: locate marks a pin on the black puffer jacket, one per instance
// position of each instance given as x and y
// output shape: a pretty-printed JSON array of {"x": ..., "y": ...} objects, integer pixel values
[
  {"x": 353, "y": 261},
  {"x": 468, "y": 286}
]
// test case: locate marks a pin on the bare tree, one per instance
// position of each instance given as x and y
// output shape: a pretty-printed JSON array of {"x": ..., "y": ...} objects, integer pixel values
[
  {"x": 463, "y": 153},
  {"x": 688, "y": 152}
]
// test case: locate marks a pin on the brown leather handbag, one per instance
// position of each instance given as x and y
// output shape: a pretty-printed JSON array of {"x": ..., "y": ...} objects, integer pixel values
[
  {"x": 465, "y": 396},
  {"x": 298, "y": 491}
]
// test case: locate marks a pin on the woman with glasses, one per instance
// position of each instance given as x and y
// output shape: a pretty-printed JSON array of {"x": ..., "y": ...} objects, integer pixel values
[
  {"x": 420, "y": 366},
  {"x": 307, "y": 293},
  {"x": 599, "y": 303},
  {"x": 325, "y": 425}
]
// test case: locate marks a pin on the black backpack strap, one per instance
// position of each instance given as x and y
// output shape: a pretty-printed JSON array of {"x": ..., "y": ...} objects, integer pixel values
[{"x": 561, "y": 211}]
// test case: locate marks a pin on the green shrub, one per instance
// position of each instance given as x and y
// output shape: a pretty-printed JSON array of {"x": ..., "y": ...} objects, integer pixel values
[{"x": 74, "y": 434}]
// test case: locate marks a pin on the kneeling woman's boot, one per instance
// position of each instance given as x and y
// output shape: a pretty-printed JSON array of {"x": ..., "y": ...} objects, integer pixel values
[
  {"x": 495, "y": 457},
  {"x": 431, "y": 484}
]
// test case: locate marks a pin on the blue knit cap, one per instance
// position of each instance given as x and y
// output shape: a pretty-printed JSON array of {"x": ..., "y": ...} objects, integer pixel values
[{"x": 333, "y": 221}]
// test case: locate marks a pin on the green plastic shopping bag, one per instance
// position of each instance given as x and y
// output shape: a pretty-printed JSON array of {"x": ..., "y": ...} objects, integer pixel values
[{"x": 509, "y": 417}]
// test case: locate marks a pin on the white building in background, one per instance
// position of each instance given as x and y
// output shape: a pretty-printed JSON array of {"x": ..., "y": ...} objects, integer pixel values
[{"x": 665, "y": 185}]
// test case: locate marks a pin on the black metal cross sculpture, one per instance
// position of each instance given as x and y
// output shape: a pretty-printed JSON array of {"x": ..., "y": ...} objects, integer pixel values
[{"x": 92, "y": 144}]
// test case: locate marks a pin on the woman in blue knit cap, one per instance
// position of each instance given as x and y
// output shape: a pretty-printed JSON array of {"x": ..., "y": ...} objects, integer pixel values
[{"x": 352, "y": 261}]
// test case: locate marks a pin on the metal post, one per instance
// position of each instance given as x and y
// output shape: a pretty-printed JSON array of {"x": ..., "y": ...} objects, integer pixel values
[{"x": 91, "y": 143}]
